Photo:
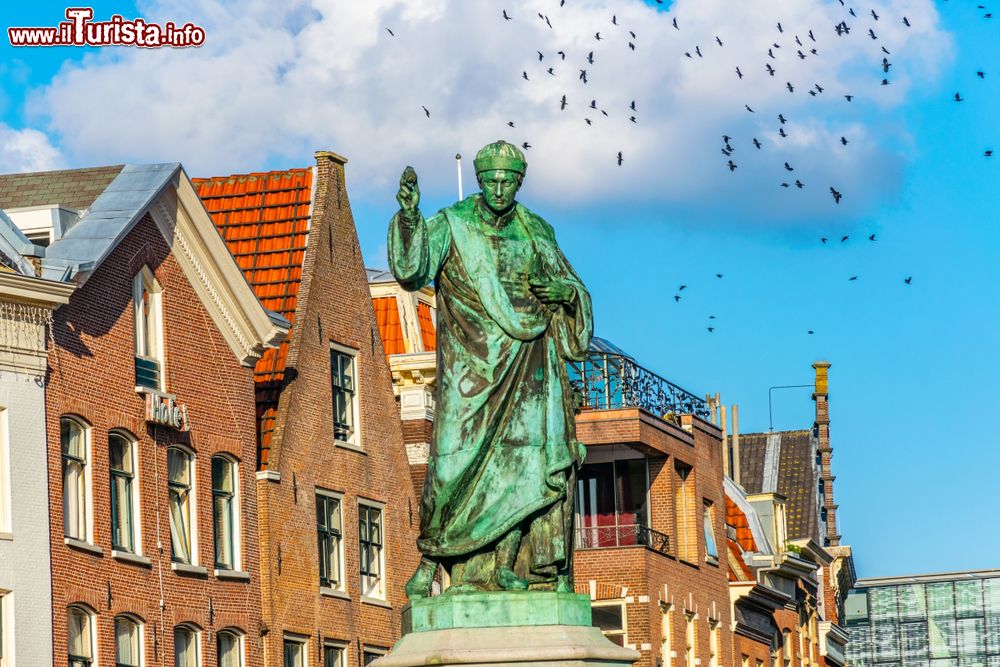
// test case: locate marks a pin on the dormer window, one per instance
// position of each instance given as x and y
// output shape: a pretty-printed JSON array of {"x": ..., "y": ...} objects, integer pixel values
[{"x": 148, "y": 330}]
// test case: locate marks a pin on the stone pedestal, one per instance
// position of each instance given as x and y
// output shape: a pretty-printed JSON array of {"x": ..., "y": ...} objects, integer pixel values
[{"x": 506, "y": 628}]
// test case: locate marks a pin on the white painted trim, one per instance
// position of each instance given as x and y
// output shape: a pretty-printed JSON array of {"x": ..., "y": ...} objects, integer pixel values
[
  {"x": 268, "y": 476},
  {"x": 205, "y": 259},
  {"x": 40, "y": 290}
]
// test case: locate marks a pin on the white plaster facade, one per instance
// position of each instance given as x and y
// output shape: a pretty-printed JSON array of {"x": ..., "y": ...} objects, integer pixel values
[{"x": 25, "y": 574}]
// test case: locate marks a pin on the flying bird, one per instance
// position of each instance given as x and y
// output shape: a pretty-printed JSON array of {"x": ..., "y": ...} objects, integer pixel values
[
  {"x": 682, "y": 288},
  {"x": 981, "y": 74},
  {"x": 614, "y": 20},
  {"x": 593, "y": 104},
  {"x": 836, "y": 195},
  {"x": 788, "y": 167},
  {"x": 843, "y": 140},
  {"x": 632, "y": 46},
  {"x": 697, "y": 49},
  {"x": 871, "y": 33},
  {"x": 562, "y": 103},
  {"x": 852, "y": 278},
  {"x": 886, "y": 65},
  {"x": 874, "y": 15},
  {"x": 871, "y": 238},
  {"x": 583, "y": 75},
  {"x": 799, "y": 184},
  {"x": 785, "y": 185},
  {"x": 425, "y": 110},
  {"x": 632, "y": 118},
  {"x": 551, "y": 71},
  {"x": 590, "y": 57},
  {"x": 988, "y": 153},
  {"x": 770, "y": 70},
  {"x": 390, "y": 32},
  {"x": 711, "y": 329},
  {"x": 619, "y": 158},
  {"x": 540, "y": 56},
  {"x": 824, "y": 240},
  {"x": 782, "y": 118},
  {"x": 748, "y": 108},
  {"x": 844, "y": 238},
  {"x": 597, "y": 36},
  {"x": 906, "y": 22},
  {"x": 908, "y": 280},
  {"x": 738, "y": 72},
  {"x": 719, "y": 41},
  {"x": 589, "y": 122},
  {"x": 780, "y": 29},
  {"x": 958, "y": 97},
  {"x": 782, "y": 133},
  {"x": 756, "y": 143},
  {"x": 632, "y": 106},
  {"x": 524, "y": 75},
  {"x": 732, "y": 166},
  {"x": 505, "y": 15},
  {"x": 525, "y": 145},
  {"x": 848, "y": 97},
  {"x": 675, "y": 23},
  {"x": 790, "y": 87},
  {"x": 677, "y": 297},
  {"x": 510, "y": 123}
]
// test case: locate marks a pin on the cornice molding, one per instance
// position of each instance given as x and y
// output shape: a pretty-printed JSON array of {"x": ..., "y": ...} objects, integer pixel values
[{"x": 37, "y": 290}]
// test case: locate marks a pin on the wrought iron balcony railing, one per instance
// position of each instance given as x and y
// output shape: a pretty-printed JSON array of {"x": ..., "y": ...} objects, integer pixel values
[
  {"x": 625, "y": 535},
  {"x": 605, "y": 381}
]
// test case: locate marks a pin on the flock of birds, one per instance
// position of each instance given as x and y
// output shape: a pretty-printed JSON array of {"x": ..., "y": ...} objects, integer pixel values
[{"x": 802, "y": 46}]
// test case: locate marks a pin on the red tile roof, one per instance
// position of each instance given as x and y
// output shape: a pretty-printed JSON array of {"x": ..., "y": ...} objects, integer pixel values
[
  {"x": 738, "y": 568},
  {"x": 387, "y": 314},
  {"x": 264, "y": 219},
  {"x": 738, "y": 520},
  {"x": 426, "y": 327}
]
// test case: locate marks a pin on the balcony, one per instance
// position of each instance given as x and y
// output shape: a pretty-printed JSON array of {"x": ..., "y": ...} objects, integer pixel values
[
  {"x": 625, "y": 535},
  {"x": 608, "y": 381}
]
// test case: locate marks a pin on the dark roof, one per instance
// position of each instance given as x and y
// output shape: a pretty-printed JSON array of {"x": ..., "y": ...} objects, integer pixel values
[
  {"x": 73, "y": 188},
  {"x": 786, "y": 465}
]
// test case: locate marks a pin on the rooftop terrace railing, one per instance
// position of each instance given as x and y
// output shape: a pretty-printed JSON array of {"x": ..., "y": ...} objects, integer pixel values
[{"x": 605, "y": 381}]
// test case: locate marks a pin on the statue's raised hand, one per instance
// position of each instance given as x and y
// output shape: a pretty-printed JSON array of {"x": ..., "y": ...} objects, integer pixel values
[{"x": 409, "y": 193}]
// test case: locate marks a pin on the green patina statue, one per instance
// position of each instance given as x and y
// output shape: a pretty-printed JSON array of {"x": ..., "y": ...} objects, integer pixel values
[{"x": 497, "y": 505}]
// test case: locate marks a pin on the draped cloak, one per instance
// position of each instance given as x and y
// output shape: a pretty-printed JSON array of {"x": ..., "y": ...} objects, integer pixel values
[{"x": 504, "y": 445}]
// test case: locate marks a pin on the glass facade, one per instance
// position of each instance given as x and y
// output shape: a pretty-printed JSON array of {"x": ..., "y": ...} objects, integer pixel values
[{"x": 933, "y": 623}]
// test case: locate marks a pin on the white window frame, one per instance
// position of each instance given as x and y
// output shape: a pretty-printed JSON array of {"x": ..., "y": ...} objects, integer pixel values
[
  {"x": 5, "y": 493},
  {"x": 354, "y": 441},
  {"x": 302, "y": 642},
  {"x": 624, "y": 631},
  {"x": 237, "y": 515},
  {"x": 140, "y": 639},
  {"x": 341, "y": 555},
  {"x": 145, "y": 280},
  {"x": 6, "y": 631},
  {"x": 91, "y": 629},
  {"x": 373, "y": 650},
  {"x": 690, "y": 639},
  {"x": 378, "y": 593},
  {"x": 240, "y": 644},
  {"x": 136, "y": 486},
  {"x": 88, "y": 473},
  {"x": 196, "y": 633},
  {"x": 192, "y": 506},
  {"x": 341, "y": 646}
]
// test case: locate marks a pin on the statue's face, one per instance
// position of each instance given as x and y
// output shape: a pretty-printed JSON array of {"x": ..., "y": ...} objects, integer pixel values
[{"x": 499, "y": 188}]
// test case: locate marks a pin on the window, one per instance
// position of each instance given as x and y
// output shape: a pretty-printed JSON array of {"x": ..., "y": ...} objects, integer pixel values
[
  {"x": 121, "y": 453},
  {"x": 667, "y": 634},
  {"x": 128, "y": 643},
  {"x": 713, "y": 643},
  {"x": 147, "y": 295},
  {"x": 711, "y": 550},
  {"x": 230, "y": 648},
  {"x": 745, "y": 662},
  {"x": 371, "y": 654},
  {"x": 76, "y": 474},
  {"x": 329, "y": 524},
  {"x": 186, "y": 649},
  {"x": 345, "y": 408},
  {"x": 333, "y": 654},
  {"x": 612, "y": 505},
  {"x": 690, "y": 640},
  {"x": 372, "y": 552},
  {"x": 295, "y": 652},
  {"x": 4, "y": 622},
  {"x": 179, "y": 480},
  {"x": 225, "y": 512},
  {"x": 610, "y": 618},
  {"x": 80, "y": 637},
  {"x": 786, "y": 647},
  {"x": 685, "y": 517},
  {"x": 4, "y": 479}
]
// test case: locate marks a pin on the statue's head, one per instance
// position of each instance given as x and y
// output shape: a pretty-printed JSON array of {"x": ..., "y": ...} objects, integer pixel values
[{"x": 500, "y": 168}]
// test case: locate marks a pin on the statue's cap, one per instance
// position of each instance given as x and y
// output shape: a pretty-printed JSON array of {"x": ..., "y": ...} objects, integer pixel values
[{"x": 500, "y": 155}]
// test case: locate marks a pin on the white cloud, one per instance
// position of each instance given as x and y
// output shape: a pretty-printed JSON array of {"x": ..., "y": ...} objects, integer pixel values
[
  {"x": 26, "y": 150},
  {"x": 276, "y": 81}
]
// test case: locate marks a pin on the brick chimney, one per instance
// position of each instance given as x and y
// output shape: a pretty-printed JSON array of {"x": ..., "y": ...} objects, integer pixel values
[{"x": 822, "y": 430}]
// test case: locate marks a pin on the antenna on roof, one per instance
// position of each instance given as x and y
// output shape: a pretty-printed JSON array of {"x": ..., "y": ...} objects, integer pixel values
[{"x": 458, "y": 167}]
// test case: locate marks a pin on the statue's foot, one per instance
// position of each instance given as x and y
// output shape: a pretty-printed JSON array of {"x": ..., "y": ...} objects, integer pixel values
[
  {"x": 508, "y": 581},
  {"x": 563, "y": 584},
  {"x": 419, "y": 585}
]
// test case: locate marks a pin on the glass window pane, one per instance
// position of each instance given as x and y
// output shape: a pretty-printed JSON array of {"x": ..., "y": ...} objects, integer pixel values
[
  {"x": 609, "y": 618},
  {"x": 185, "y": 648},
  {"x": 222, "y": 474},
  {"x": 72, "y": 439},
  {"x": 121, "y": 513},
  {"x": 79, "y": 633},
  {"x": 178, "y": 467},
  {"x": 968, "y": 599},
  {"x": 710, "y": 547},
  {"x": 229, "y": 650},
  {"x": 293, "y": 654},
  {"x": 333, "y": 656},
  {"x": 74, "y": 500},
  {"x": 120, "y": 454},
  {"x": 126, "y": 643},
  {"x": 223, "y": 518},
  {"x": 180, "y": 539}
]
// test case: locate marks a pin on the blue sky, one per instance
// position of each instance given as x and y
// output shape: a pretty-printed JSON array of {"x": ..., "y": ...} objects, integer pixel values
[{"x": 914, "y": 367}]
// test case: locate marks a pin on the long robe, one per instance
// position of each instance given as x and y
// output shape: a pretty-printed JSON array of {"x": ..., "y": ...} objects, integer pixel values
[{"x": 504, "y": 446}]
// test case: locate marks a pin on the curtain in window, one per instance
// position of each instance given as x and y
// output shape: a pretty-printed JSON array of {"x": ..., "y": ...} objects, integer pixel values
[
  {"x": 710, "y": 549},
  {"x": 179, "y": 475},
  {"x": 126, "y": 643},
  {"x": 185, "y": 648},
  {"x": 332, "y": 656},
  {"x": 74, "y": 480},
  {"x": 121, "y": 493},
  {"x": 229, "y": 650},
  {"x": 79, "y": 637}
]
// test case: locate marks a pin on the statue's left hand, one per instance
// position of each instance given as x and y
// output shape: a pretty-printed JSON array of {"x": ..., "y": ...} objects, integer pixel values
[{"x": 553, "y": 292}]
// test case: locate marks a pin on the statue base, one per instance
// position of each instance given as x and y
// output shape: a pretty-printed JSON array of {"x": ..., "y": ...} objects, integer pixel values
[{"x": 504, "y": 628}]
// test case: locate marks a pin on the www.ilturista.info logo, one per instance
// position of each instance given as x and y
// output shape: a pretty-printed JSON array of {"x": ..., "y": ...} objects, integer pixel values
[{"x": 80, "y": 30}]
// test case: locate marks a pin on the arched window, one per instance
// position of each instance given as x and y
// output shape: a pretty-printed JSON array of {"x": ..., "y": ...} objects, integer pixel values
[
  {"x": 121, "y": 454},
  {"x": 180, "y": 481},
  {"x": 230, "y": 648},
  {"x": 128, "y": 642},
  {"x": 225, "y": 512},
  {"x": 80, "y": 637},
  {"x": 187, "y": 647},
  {"x": 74, "y": 437}
]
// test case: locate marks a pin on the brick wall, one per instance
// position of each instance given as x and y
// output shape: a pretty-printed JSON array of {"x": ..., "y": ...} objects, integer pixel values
[
  {"x": 334, "y": 306},
  {"x": 92, "y": 376}
]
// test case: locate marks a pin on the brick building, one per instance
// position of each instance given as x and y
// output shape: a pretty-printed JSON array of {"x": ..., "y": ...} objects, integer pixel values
[
  {"x": 338, "y": 521},
  {"x": 151, "y": 444},
  {"x": 26, "y": 304}
]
